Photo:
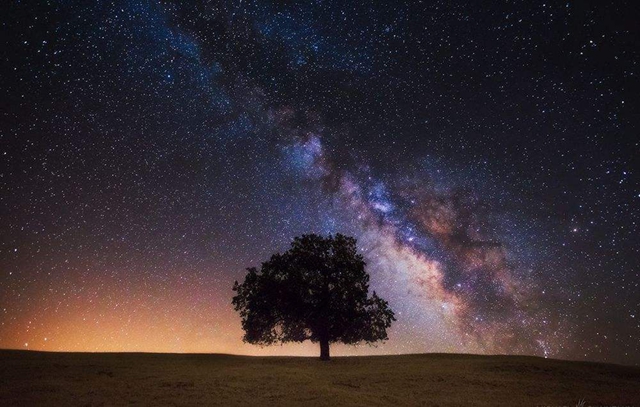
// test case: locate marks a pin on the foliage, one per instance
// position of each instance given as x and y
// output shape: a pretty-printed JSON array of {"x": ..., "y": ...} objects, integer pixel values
[{"x": 317, "y": 290}]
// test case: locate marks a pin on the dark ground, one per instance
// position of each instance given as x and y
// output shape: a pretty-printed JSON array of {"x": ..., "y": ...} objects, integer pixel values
[{"x": 103, "y": 379}]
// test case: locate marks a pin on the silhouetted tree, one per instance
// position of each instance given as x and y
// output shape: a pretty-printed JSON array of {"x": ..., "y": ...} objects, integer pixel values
[{"x": 318, "y": 291}]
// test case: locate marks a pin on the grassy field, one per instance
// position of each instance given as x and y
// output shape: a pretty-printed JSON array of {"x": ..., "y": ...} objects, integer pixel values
[{"x": 83, "y": 379}]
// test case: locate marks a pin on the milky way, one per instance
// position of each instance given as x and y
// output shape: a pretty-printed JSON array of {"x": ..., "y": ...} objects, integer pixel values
[{"x": 483, "y": 158}]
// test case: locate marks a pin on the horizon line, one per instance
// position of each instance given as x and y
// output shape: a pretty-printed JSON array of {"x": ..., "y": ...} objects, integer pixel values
[{"x": 312, "y": 357}]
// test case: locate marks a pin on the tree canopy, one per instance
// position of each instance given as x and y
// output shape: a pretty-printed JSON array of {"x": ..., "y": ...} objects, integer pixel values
[{"x": 318, "y": 290}]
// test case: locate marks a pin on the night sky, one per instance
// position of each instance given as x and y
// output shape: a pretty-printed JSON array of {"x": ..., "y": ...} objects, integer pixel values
[{"x": 484, "y": 154}]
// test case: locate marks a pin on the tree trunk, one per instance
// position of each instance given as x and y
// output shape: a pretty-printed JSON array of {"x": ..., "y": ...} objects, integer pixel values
[{"x": 324, "y": 350}]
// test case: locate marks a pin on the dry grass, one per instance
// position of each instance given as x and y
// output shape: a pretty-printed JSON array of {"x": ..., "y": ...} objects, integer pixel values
[{"x": 82, "y": 379}]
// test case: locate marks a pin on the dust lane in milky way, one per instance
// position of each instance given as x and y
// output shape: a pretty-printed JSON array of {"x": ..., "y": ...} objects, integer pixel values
[{"x": 482, "y": 157}]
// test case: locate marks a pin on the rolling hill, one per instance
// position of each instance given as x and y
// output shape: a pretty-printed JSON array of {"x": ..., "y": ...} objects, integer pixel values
[{"x": 144, "y": 379}]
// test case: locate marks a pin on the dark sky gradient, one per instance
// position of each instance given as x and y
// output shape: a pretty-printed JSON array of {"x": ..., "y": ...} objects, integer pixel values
[{"x": 486, "y": 157}]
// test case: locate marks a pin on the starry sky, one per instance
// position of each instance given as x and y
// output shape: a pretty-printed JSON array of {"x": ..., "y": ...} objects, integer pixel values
[{"x": 484, "y": 156}]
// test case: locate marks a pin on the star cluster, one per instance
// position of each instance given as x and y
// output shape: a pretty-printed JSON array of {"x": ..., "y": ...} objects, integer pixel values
[{"x": 485, "y": 156}]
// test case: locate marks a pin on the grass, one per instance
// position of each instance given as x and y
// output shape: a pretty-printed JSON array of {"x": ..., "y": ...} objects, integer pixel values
[{"x": 138, "y": 379}]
